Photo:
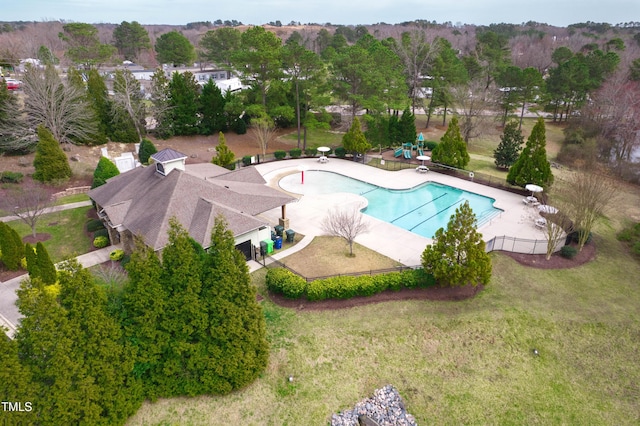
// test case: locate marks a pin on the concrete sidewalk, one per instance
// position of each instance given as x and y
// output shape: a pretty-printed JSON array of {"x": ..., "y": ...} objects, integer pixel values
[{"x": 53, "y": 209}]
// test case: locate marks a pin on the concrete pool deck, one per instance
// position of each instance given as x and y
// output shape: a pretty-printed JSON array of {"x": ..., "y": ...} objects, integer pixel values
[{"x": 306, "y": 215}]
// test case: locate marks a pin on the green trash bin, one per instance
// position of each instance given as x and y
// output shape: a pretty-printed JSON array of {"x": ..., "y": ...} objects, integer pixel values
[
  {"x": 279, "y": 230},
  {"x": 291, "y": 234},
  {"x": 269, "y": 244}
]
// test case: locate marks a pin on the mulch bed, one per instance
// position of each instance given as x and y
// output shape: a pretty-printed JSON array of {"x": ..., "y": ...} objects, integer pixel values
[
  {"x": 447, "y": 294},
  {"x": 40, "y": 237},
  {"x": 429, "y": 293}
]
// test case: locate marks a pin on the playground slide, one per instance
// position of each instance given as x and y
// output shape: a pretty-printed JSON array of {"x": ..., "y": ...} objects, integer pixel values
[
  {"x": 407, "y": 154},
  {"x": 420, "y": 151}
]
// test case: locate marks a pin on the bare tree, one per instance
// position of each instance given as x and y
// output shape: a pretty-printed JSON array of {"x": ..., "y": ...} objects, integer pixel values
[
  {"x": 127, "y": 96},
  {"x": 264, "y": 132},
  {"x": 29, "y": 203},
  {"x": 61, "y": 108},
  {"x": 346, "y": 224},
  {"x": 587, "y": 197},
  {"x": 554, "y": 231},
  {"x": 471, "y": 101}
]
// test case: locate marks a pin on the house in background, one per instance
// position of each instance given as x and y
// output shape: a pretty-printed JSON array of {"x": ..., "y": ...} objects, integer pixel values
[{"x": 141, "y": 201}]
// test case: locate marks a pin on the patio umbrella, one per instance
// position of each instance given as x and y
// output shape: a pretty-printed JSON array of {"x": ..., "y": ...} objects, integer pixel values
[{"x": 533, "y": 188}]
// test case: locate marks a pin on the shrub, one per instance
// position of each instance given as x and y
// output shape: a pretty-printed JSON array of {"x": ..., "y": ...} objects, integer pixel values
[
  {"x": 239, "y": 126},
  {"x": 568, "y": 252},
  {"x": 105, "y": 169},
  {"x": 246, "y": 160},
  {"x": 146, "y": 150},
  {"x": 94, "y": 224},
  {"x": 11, "y": 177},
  {"x": 102, "y": 232},
  {"x": 100, "y": 241},
  {"x": 116, "y": 255},
  {"x": 430, "y": 145},
  {"x": 295, "y": 153},
  {"x": 50, "y": 161},
  {"x": 280, "y": 154},
  {"x": 310, "y": 152},
  {"x": 575, "y": 236},
  {"x": 285, "y": 282},
  {"x": 340, "y": 152}
]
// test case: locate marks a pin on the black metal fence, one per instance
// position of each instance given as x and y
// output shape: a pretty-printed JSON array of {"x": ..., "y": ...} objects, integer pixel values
[{"x": 400, "y": 268}]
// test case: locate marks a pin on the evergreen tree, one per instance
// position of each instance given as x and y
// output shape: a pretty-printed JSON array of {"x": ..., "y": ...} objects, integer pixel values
[
  {"x": 50, "y": 161},
  {"x": 104, "y": 170},
  {"x": 508, "y": 149},
  {"x": 144, "y": 302},
  {"x": 183, "y": 103},
  {"x": 46, "y": 269},
  {"x": 80, "y": 365},
  {"x": 532, "y": 166},
  {"x": 378, "y": 130},
  {"x": 354, "y": 140},
  {"x": 224, "y": 157},
  {"x": 407, "y": 126},
  {"x": 15, "y": 384},
  {"x": 174, "y": 48},
  {"x": 211, "y": 109},
  {"x": 146, "y": 150},
  {"x": 130, "y": 39},
  {"x": 11, "y": 247},
  {"x": 394, "y": 129},
  {"x": 185, "y": 319},
  {"x": 238, "y": 347},
  {"x": 32, "y": 261},
  {"x": 98, "y": 97},
  {"x": 451, "y": 150},
  {"x": 457, "y": 256}
]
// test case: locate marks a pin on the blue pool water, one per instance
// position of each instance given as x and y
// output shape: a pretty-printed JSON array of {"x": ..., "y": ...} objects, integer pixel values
[{"x": 422, "y": 209}]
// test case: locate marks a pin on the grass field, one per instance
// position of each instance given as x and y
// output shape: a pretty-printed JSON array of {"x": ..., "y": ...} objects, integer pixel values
[
  {"x": 66, "y": 229},
  {"x": 467, "y": 362}
]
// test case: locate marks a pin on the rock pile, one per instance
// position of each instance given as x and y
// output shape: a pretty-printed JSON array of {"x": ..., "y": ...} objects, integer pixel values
[{"x": 384, "y": 408}]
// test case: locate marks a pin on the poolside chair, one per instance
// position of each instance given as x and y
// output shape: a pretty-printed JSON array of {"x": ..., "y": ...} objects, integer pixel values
[{"x": 541, "y": 222}]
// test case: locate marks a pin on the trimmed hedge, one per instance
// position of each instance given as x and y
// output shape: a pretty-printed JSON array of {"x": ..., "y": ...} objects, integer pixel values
[
  {"x": 288, "y": 284},
  {"x": 101, "y": 233},
  {"x": 568, "y": 252},
  {"x": 280, "y": 154},
  {"x": 94, "y": 224},
  {"x": 340, "y": 152},
  {"x": 310, "y": 152},
  {"x": 11, "y": 177},
  {"x": 295, "y": 153},
  {"x": 100, "y": 242},
  {"x": 246, "y": 160},
  {"x": 430, "y": 145}
]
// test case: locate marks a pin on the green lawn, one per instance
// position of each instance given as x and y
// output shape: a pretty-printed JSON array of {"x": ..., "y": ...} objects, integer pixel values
[
  {"x": 66, "y": 229},
  {"x": 72, "y": 199},
  {"x": 317, "y": 137},
  {"x": 468, "y": 362}
]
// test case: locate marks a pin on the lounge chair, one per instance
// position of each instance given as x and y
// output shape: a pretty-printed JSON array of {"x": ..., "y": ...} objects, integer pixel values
[
  {"x": 422, "y": 169},
  {"x": 541, "y": 222}
]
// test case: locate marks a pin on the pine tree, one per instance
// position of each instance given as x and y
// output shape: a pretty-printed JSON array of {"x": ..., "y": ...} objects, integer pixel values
[
  {"x": 407, "y": 126},
  {"x": 354, "y": 140},
  {"x": 146, "y": 150},
  {"x": 237, "y": 345},
  {"x": 50, "y": 162},
  {"x": 98, "y": 97},
  {"x": 144, "y": 302},
  {"x": 510, "y": 145},
  {"x": 532, "y": 165},
  {"x": 224, "y": 157},
  {"x": 451, "y": 151},
  {"x": 104, "y": 170},
  {"x": 11, "y": 246},
  {"x": 46, "y": 269},
  {"x": 457, "y": 256}
]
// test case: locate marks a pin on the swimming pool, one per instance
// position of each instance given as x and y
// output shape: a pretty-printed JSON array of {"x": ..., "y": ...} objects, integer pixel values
[{"x": 422, "y": 209}]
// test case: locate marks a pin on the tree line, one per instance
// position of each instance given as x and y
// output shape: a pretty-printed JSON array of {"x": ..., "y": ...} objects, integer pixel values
[{"x": 89, "y": 351}]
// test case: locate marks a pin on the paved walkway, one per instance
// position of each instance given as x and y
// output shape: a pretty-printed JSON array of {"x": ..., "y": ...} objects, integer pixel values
[{"x": 52, "y": 210}]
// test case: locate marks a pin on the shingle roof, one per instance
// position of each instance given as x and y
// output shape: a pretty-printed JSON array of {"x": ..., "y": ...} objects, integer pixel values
[
  {"x": 143, "y": 201},
  {"x": 167, "y": 154}
]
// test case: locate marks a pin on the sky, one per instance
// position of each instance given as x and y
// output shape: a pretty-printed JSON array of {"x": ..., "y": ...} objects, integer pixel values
[{"x": 345, "y": 12}]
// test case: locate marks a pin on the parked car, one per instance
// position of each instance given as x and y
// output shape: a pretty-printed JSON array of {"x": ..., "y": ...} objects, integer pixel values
[{"x": 13, "y": 84}]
